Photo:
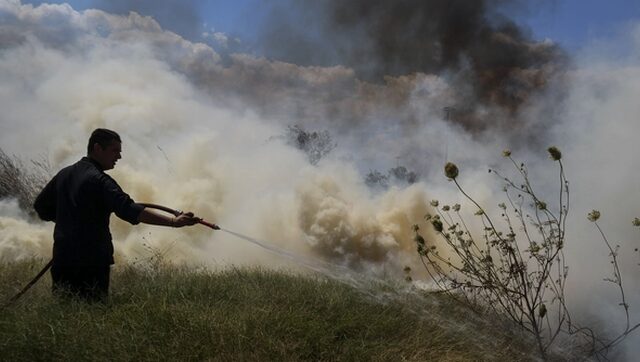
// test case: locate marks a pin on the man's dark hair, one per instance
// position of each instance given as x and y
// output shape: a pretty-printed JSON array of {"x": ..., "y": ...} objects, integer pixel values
[{"x": 102, "y": 136}]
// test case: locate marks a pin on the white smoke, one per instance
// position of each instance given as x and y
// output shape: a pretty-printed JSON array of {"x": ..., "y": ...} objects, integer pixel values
[
  {"x": 183, "y": 149},
  {"x": 19, "y": 238}
]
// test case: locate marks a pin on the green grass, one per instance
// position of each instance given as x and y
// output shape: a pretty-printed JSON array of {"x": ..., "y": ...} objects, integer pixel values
[{"x": 188, "y": 314}]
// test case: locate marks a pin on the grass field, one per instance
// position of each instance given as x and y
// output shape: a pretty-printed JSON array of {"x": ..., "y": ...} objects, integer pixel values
[{"x": 191, "y": 314}]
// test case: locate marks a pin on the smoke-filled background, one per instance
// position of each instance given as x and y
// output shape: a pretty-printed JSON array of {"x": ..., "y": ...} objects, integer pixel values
[{"x": 327, "y": 133}]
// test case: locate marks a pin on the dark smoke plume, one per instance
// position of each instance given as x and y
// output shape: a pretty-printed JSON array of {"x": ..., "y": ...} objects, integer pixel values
[{"x": 492, "y": 61}]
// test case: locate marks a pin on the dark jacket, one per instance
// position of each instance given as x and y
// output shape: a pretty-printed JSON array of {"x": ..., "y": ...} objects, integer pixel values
[{"x": 80, "y": 200}]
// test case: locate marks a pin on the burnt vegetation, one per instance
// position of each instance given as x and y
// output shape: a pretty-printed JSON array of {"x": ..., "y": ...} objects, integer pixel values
[
  {"x": 315, "y": 144},
  {"x": 396, "y": 175}
]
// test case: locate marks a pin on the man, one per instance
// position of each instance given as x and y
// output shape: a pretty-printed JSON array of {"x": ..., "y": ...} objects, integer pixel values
[{"x": 80, "y": 200}]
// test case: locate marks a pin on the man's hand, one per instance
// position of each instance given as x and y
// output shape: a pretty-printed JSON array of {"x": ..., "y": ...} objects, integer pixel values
[{"x": 185, "y": 219}]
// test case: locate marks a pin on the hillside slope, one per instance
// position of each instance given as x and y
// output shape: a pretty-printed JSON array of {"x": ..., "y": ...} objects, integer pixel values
[{"x": 173, "y": 313}]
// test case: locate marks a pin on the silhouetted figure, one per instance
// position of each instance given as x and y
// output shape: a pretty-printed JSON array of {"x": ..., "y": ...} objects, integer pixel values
[{"x": 80, "y": 200}]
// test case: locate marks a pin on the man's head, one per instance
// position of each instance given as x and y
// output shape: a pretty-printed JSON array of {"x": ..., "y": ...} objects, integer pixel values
[{"x": 104, "y": 147}]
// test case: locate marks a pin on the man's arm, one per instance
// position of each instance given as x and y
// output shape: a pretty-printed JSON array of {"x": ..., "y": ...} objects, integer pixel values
[
  {"x": 148, "y": 216},
  {"x": 125, "y": 208}
]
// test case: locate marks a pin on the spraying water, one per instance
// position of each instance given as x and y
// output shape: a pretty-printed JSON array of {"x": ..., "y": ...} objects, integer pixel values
[
  {"x": 278, "y": 251},
  {"x": 331, "y": 270}
]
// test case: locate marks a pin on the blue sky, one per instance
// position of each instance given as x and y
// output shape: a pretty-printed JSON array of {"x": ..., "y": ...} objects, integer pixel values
[{"x": 572, "y": 23}]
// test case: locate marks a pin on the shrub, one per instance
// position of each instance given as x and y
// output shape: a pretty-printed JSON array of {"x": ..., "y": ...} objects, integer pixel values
[
  {"x": 399, "y": 173},
  {"x": 316, "y": 144}
]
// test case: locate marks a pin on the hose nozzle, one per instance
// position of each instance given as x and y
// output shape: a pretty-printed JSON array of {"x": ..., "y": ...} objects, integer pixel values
[{"x": 211, "y": 225}]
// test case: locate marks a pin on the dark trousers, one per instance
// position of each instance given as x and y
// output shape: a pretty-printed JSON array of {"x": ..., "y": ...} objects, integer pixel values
[{"x": 89, "y": 283}]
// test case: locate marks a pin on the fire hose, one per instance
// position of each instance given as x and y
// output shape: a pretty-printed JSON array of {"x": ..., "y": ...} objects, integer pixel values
[{"x": 33, "y": 281}]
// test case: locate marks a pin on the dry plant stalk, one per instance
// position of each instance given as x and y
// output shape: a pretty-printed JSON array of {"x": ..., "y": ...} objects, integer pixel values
[
  {"x": 516, "y": 268},
  {"x": 17, "y": 182}
]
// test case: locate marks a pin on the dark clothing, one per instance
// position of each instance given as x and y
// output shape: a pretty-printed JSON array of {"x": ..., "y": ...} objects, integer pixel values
[
  {"x": 80, "y": 200},
  {"x": 90, "y": 283}
]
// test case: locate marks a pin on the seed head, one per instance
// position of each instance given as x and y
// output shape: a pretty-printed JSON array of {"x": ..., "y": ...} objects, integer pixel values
[
  {"x": 437, "y": 225},
  {"x": 555, "y": 153},
  {"x": 636, "y": 222},
  {"x": 541, "y": 205},
  {"x": 451, "y": 170},
  {"x": 434, "y": 203},
  {"x": 446, "y": 208},
  {"x": 506, "y": 153},
  {"x": 542, "y": 311},
  {"x": 456, "y": 207},
  {"x": 594, "y": 215}
]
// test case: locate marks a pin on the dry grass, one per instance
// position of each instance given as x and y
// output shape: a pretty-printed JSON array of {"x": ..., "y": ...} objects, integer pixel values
[{"x": 174, "y": 313}]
